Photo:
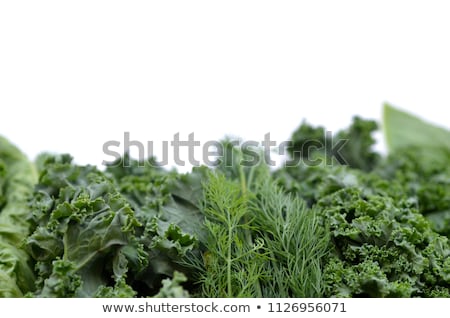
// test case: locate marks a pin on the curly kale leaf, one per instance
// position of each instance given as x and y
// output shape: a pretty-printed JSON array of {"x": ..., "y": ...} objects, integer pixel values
[
  {"x": 352, "y": 146},
  {"x": 80, "y": 219},
  {"x": 104, "y": 234},
  {"x": 382, "y": 248},
  {"x": 167, "y": 206},
  {"x": 358, "y": 151}
]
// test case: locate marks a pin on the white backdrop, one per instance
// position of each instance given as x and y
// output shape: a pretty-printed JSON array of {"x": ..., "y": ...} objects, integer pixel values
[{"x": 75, "y": 74}]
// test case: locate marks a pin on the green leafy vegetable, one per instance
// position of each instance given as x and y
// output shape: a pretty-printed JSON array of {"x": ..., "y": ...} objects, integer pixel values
[
  {"x": 296, "y": 241},
  {"x": 403, "y": 130},
  {"x": 95, "y": 235},
  {"x": 338, "y": 220},
  {"x": 382, "y": 248},
  {"x": 382, "y": 244},
  {"x": 262, "y": 242},
  {"x": 352, "y": 146},
  {"x": 420, "y": 159},
  {"x": 17, "y": 177},
  {"x": 232, "y": 264}
]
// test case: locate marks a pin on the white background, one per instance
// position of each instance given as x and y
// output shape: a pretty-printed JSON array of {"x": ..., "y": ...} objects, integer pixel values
[{"x": 75, "y": 74}]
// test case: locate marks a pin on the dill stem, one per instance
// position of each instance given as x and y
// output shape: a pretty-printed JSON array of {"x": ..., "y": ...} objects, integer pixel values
[
  {"x": 243, "y": 182},
  {"x": 230, "y": 242}
]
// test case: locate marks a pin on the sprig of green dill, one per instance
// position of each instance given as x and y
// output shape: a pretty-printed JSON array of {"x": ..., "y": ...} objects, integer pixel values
[
  {"x": 262, "y": 243},
  {"x": 296, "y": 240},
  {"x": 231, "y": 266}
]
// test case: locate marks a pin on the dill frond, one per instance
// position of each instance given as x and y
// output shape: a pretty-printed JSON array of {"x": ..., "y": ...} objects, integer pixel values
[
  {"x": 296, "y": 240},
  {"x": 232, "y": 266}
]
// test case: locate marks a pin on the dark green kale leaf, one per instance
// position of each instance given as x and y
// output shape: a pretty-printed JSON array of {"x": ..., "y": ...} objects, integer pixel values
[
  {"x": 84, "y": 231},
  {"x": 99, "y": 234},
  {"x": 167, "y": 206},
  {"x": 429, "y": 184},
  {"x": 358, "y": 151},
  {"x": 382, "y": 248},
  {"x": 315, "y": 146}
]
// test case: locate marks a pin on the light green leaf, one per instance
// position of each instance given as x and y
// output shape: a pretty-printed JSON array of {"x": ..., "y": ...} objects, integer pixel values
[{"x": 404, "y": 130}]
